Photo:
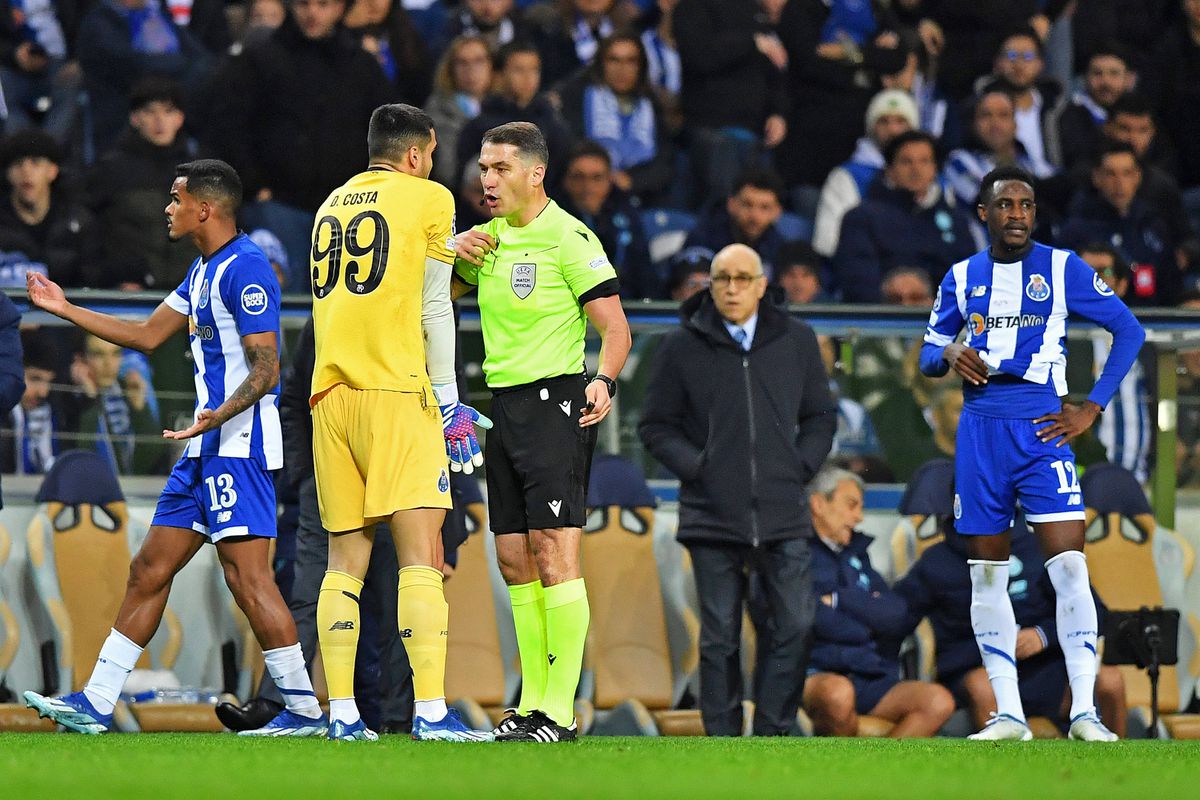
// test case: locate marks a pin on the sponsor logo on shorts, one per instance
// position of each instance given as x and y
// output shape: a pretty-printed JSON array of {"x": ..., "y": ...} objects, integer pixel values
[
  {"x": 1037, "y": 289},
  {"x": 555, "y": 506},
  {"x": 524, "y": 277},
  {"x": 565, "y": 405},
  {"x": 1100, "y": 286},
  {"x": 443, "y": 482},
  {"x": 342, "y": 625},
  {"x": 406, "y": 633},
  {"x": 254, "y": 299},
  {"x": 224, "y": 516},
  {"x": 957, "y": 506}
]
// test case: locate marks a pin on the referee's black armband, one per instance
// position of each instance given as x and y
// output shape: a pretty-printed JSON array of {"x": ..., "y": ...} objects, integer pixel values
[{"x": 609, "y": 288}]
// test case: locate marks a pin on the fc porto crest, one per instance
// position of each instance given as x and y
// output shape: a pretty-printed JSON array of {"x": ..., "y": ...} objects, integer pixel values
[
  {"x": 524, "y": 276},
  {"x": 203, "y": 300},
  {"x": 443, "y": 482},
  {"x": 1037, "y": 289}
]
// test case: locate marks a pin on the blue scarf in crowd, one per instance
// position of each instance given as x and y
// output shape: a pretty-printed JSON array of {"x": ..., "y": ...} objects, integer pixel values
[
  {"x": 629, "y": 137},
  {"x": 150, "y": 30},
  {"x": 853, "y": 19}
]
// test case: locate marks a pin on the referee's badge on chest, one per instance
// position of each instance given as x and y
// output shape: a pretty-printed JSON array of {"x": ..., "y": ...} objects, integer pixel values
[{"x": 524, "y": 276}]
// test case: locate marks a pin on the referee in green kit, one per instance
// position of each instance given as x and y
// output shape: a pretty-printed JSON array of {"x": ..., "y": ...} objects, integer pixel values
[{"x": 541, "y": 274}]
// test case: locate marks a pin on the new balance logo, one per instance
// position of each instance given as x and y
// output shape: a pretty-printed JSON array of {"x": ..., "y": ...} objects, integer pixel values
[
  {"x": 552, "y": 658},
  {"x": 342, "y": 625},
  {"x": 224, "y": 516},
  {"x": 565, "y": 405},
  {"x": 406, "y": 633},
  {"x": 555, "y": 505}
]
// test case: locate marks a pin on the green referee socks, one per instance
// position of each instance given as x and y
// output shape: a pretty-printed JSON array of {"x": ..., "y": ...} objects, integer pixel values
[
  {"x": 529, "y": 618},
  {"x": 567, "y": 617}
]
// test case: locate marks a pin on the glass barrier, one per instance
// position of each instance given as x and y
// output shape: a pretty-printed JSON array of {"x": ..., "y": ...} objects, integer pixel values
[{"x": 891, "y": 418}]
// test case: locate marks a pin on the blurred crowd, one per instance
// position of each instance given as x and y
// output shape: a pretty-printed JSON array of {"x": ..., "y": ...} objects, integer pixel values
[{"x": 843, "y": 140}]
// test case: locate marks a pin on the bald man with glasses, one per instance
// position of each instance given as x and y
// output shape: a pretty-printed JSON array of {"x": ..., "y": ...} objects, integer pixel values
[{"x": 739, "y": 408}]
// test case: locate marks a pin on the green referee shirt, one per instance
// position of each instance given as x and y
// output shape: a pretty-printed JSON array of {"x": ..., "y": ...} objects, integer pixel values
[{"x": 532, "y": 289}]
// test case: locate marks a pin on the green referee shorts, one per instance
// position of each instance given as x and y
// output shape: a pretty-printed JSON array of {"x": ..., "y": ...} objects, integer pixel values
[{"x": 537, "y": 457}]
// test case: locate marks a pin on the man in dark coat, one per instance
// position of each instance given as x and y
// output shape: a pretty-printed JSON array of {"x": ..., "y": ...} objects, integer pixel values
[{"x": 739, "y": 408}]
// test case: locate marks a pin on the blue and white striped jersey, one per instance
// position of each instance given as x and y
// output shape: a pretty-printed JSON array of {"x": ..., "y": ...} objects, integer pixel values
[
  {"x": 232, "y": 294},
  {"x": 1015, "y": 315}
]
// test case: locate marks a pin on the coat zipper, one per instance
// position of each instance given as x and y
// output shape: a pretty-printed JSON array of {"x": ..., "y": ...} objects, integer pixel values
[{"x": 753, "y": 461}]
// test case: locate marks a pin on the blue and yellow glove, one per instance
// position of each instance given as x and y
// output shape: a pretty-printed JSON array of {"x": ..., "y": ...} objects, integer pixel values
[{"x": 458, "y": 426}]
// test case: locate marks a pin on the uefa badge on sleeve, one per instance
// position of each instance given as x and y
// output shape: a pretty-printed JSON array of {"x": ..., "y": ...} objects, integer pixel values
[
  {"x": 1100, "y": 286},
  {"x": 524, "y": 276}
]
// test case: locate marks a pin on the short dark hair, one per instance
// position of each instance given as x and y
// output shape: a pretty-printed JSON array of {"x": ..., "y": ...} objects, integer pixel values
[
  {"x": 515, "y": 47},
  {"x": 1120, "y": 266},
  {"x": 687, "y": 261},
  {"x": 759, "y": 178},
  {"x": 155, "y": 89},
  {"x": 989, "y": 181},
  {"x": 1110, "y": 147},
  {"x": 396, "y": 127},
  {"x": 892, "y": 148},
  {"x": 525, "y": 136},
  {"x": 30, "y": 143},
  {"x": 1110, "y": 49},
  {"x": 37, "y": 352},
  {"x": 586, "y": 148},
  {"x": 797, "y": 254},
  {"x": 213, "y": 180},
  {"x": 1133, "y": 104}
]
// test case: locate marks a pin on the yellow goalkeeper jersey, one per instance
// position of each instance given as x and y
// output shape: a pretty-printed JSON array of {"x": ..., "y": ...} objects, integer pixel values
[{"x": 369, "y": 244}]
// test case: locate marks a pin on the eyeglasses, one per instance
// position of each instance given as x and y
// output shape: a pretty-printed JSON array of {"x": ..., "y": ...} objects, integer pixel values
[
  {"x": 1020, "y": 55},
  {"x": 740, "y": 281}
]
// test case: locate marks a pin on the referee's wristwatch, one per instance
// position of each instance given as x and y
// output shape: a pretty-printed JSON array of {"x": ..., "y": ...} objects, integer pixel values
[{"x": 608, "y": 382}]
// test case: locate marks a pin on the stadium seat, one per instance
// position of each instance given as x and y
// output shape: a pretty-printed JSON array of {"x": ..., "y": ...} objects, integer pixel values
[
  {"x": 13, "y": 716},
  {"x": 629, "y": 653},
  {"x": 666, "y": 230},
  {"x": 1135, "y": 562},
  {"x": 475, "y": 677},
  {"x": 78, "y": 544}
]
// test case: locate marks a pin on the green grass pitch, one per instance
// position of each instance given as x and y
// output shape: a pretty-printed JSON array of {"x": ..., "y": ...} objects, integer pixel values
[{"x": 218, "y": 767}]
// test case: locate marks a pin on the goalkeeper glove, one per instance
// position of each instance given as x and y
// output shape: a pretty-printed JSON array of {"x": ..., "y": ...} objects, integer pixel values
[{"x": 458, "y": 426}]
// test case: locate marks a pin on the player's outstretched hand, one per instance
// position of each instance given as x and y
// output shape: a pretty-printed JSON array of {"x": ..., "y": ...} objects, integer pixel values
[
  {"x": 45, "y": 293},
  {"x": 966, "y": 362},
  {"x": 472, "y": 245},
  {"x": 1065, "y": 425},
  {"x": 206, "y": 421},
  {"x": 598, "y": 404},
  {"x": 458, "y": 426}
]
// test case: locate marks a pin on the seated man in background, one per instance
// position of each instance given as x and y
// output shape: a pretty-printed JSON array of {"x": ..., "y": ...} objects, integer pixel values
[
  {"x": 748, "y": 217},
  {"x": 939, "y": 587},
  {"x": 851, "y": 672},
  {"x": 799, "y": 273},
  {"x": 29, "y": 443}
]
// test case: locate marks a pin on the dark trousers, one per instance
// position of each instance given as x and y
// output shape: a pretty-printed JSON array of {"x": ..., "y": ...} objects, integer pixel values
[
  {"x": 382, "y": 675},
  {"x": 783, "y": 570}
]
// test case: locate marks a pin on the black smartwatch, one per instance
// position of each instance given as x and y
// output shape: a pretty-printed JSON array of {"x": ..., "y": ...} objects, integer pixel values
[{"x": 609, "y": 382}]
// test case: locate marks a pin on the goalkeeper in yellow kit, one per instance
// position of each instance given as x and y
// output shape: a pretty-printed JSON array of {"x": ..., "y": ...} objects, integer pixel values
[{"x": 385, "y": 408}]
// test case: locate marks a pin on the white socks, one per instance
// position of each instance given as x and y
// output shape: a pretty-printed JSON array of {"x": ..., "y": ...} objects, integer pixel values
[
  {"x": 996, "y": 632},
  {"x": 344, "y": 709},
  {"x": 286, "y": 665},
  {"x": 431, "y": 710},
  {"x": 117, "y": 658},
  {"x": 1076, "y": 626}
]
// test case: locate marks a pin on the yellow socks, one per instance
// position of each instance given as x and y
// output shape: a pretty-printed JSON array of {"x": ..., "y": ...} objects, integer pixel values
[
  {"x": 567, "y": 618},
  {"x": 424, "y": 616},
  {"x": 337, "y": 630},
  {"x": 529, "y": 618}
]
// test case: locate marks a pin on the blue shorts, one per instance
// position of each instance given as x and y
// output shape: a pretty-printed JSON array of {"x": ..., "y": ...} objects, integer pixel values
[
  {"x": 999, "y": 461},
  {"x": 218, "y": 497}
]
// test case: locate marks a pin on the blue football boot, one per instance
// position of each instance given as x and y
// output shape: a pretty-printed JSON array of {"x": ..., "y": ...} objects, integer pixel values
[
  {"x": 449, "y": 728},
  {"x": 356, "y": 731},
  {"x": 73, "y": 711},
  {"x": 286, "y": 723}
]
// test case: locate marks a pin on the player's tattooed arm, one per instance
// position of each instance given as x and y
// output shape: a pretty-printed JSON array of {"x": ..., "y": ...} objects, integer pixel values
[{"x": 262, "y": 359}]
